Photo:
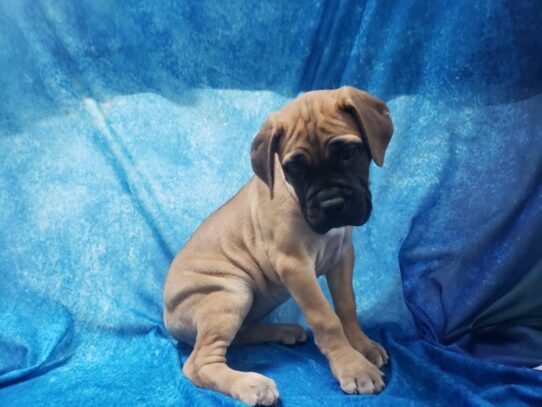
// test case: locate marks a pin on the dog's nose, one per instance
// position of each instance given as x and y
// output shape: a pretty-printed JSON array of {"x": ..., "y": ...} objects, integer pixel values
[{"x": 332, "y": 205}]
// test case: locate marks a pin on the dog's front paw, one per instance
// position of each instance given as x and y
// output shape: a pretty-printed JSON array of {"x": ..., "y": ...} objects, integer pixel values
[
  {"x": 375, "y": 353},
  {"x": 356, "y": 375}
]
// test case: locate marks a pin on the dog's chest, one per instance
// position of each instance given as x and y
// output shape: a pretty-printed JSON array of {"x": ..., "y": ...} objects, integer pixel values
[{"x": 328, "y": 250}]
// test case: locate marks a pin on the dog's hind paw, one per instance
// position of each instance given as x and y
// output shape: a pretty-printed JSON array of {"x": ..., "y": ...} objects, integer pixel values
[{"x": 255, "y": 389}]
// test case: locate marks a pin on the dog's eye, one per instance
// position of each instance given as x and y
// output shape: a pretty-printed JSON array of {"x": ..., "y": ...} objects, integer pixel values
[
  {"x": 295, "y": 167},
  {"x": 348, "y": 152}
]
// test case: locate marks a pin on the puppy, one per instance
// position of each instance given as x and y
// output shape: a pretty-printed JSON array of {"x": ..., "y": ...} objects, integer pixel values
[{"x": 288, "y": 225}]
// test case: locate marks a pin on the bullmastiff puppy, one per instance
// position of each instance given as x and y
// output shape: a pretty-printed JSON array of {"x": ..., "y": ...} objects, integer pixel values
[{"x": 289, "y": 224}]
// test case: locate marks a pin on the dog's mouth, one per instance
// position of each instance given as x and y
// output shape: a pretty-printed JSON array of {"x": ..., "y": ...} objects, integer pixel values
[
  {"x": 337, "y": 206},
  {"x": 332, "y": 204}
]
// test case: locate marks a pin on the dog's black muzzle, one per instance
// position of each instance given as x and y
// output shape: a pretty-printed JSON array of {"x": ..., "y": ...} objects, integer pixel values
[{"x": 335, "y": 206}]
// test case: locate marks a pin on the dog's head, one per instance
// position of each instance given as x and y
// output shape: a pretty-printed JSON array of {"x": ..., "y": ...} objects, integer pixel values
[{"x": 325, "y": 140}]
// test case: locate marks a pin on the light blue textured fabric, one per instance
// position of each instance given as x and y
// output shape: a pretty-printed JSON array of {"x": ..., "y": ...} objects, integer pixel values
[{"x": 124, "y": 124}]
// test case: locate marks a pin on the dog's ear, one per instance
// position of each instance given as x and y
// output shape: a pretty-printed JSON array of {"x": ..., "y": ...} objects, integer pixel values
[
  {"x": 262, "y": 154},
  {"x": 372, "y": 117}
]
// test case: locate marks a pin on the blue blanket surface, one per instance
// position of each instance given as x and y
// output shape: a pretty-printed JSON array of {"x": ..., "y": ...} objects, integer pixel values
[{"x": 124, "y": 124}]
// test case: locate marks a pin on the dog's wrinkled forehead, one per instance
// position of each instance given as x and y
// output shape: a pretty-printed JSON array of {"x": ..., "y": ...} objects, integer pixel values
[{"x": 310, "y": 121}]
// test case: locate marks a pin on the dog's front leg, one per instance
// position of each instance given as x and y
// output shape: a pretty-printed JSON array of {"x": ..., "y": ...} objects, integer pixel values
[
  {"x": 342, "y": 292},
  {"x": 353, "y": 371}
]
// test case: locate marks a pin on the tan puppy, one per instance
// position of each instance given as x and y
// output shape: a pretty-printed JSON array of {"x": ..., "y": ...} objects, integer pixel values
[{"x": 283, "y": 229}]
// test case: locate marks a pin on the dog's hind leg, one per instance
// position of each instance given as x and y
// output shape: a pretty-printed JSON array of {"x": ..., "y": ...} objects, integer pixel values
[
  {"x": 288, "y": 334},
  {"x": 218, "y": 318}
]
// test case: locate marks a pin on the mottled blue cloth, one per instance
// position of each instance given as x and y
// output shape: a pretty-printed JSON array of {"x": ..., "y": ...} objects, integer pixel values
[{"x": 123, "y": 124}]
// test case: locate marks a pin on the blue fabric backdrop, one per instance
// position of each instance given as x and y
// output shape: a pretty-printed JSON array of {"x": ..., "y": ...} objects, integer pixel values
[{"x": 124, "y": 124}]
